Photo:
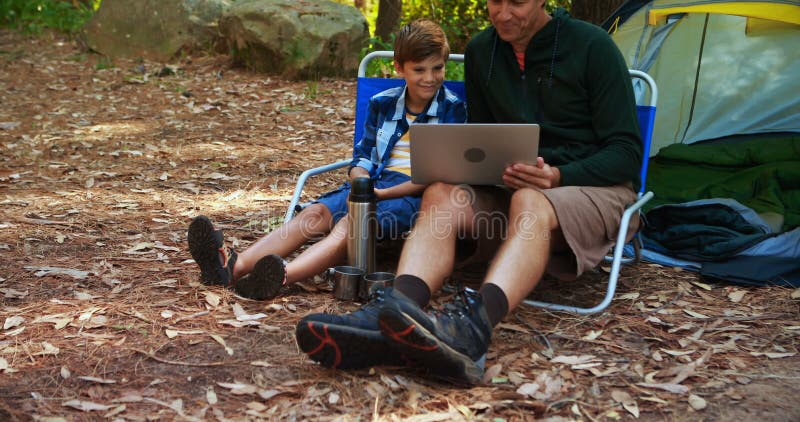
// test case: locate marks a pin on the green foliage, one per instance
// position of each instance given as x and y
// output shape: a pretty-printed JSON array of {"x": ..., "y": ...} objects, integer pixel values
[
  {"x": 378, "y": 68},
  {"x": 33, "y": 16},
  {"x": 458, "y": 18}
]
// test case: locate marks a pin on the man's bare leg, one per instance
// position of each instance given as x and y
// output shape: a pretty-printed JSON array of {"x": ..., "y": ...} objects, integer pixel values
[
  {"x": 429, "y": 251},
  {"x": 533, "y": 232},
  {"x": 313, "y": 221}
]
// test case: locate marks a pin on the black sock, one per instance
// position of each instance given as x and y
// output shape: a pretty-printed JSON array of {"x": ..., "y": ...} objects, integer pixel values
[
  {"x": 495, "y": 301},
  {"x": 413, "y": 287}
]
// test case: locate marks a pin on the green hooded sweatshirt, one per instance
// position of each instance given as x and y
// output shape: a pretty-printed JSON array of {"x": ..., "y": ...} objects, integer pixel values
[{"x": 575, "y": 85}]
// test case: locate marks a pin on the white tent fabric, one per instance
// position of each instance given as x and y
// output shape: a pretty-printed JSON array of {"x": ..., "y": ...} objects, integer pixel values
[{"x": 719, "y": 74}]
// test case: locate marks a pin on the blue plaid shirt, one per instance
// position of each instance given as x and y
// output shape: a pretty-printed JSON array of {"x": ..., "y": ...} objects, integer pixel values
[{"x": 386, "y": 123}]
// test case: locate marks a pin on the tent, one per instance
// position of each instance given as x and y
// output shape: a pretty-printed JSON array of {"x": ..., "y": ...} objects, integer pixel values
[
  {"x": 725, "y": 164},
  {"x": 725, "y": 67}
]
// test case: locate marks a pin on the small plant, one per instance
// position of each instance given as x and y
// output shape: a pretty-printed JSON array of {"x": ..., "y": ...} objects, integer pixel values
[
  {"x": 312, "y": 89},
  {"x": 104, "y": 63}
]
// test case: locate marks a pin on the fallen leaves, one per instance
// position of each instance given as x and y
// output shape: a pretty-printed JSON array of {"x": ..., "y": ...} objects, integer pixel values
[
  {"x": 672, "y": 388},
  {"x": 774, "y": 355},
  {"x": 48, "y": 271},
  {"x": 697, "y": 402},
  {"x": 546, "y": 387},
  {"x": 5, "y": 367},
  {"x": 239, "y": 388},
  {"x": 695, "y": 314},
  {"x": 94, "y": 207},
  {"x": 736, "y": 296},
  {"x": 221, "y": 341},
  {"x": 212, "y": 299},
  {"x": 86, "y": 406},
  {"x": 627, "y": 402},
  {"x": 9, "y": 125},
  {"x": 12, "y": 322},
  {"x": 97, "y": 380}
]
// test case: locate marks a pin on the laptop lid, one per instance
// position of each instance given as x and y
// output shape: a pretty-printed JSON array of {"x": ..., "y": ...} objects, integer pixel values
[{"x": 469, "y": 153}]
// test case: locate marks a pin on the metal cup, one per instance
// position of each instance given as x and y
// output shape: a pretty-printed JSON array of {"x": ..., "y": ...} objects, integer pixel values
[
  {"x": 346, "y": 281},
  {"x": 371, "y": 280}
]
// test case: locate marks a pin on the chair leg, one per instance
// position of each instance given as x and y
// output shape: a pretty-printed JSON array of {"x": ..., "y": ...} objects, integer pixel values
[{"x": 615, "y": 267}]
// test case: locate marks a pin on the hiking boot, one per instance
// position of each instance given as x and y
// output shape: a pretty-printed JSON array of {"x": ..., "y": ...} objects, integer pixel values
[
  {"x": 265, "y": 281},
  {"x": 348, "y": 341},
  {"x": 450, "y": 342},
  {"x": 209, "y": 252}
]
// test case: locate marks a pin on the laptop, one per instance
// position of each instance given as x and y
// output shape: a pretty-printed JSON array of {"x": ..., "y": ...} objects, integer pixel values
[{"x": 469, "y": 153}]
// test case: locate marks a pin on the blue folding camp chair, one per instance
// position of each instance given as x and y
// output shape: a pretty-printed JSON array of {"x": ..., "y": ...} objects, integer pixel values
[
  {"x": 647, "y": 115},
  {"x": 365, "y": 89}
]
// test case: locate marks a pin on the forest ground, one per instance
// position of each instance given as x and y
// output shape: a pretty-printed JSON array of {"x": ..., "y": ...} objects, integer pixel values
[{"x": 103, "y": 166}]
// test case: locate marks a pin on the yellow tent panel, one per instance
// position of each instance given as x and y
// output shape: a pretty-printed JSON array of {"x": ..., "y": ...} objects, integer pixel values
[{"x": 772, "y": 11}]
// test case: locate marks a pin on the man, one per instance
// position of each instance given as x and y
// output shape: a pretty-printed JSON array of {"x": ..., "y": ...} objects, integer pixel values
[{"x": 563, "y": 211}]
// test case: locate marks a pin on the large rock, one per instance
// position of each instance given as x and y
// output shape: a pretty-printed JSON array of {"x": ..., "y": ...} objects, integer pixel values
[
  {"x": 296, "y": 38},
  {"x": 154, "y": 29}
]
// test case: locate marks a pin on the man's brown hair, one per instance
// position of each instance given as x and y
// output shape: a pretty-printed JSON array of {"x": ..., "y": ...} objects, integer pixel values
[{"x": 419, "y": 40}]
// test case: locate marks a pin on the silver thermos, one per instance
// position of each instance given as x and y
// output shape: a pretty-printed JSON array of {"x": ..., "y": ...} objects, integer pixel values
[{"x": 362, "y": 226}]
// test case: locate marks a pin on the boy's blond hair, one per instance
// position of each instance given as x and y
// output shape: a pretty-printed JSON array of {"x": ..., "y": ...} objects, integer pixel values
[{"x": 418, "y": 40}]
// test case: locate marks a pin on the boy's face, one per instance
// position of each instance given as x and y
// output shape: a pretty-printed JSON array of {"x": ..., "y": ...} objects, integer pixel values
[{"x": 423, "y": 80}]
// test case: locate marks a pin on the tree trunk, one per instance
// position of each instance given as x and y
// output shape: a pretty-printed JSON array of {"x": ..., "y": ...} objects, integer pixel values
[
  {"x": 594, "y": 11},
  {"x": 389, "y": 12}
]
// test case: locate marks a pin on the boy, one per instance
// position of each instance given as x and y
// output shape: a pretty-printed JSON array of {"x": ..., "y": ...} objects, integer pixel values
[{"x": 260, "y": 271}]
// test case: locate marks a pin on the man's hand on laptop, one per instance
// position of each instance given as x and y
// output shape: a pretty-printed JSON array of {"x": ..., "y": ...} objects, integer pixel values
[{"x": 540, "y": 175}]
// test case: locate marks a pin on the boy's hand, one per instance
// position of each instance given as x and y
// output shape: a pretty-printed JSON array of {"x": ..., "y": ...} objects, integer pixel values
[
  {"x": 380, "y": 194},
  {"x": 541, "y": 175}
]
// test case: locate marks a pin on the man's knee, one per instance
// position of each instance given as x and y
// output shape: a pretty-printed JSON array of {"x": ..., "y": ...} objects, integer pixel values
[
  {"x": 446, "y": 196},
  {"x": 531, "y": 207}
]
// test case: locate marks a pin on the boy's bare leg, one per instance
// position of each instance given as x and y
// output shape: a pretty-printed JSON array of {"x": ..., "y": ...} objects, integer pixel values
[
  {"x": 326, "y": 253},
  {"x": 313, "y": 221},
  {"x": 533, "y": 231}
]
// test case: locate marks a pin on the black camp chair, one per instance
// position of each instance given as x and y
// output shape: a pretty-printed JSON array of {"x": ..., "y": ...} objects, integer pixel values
[{"x": 368, "y": 86}]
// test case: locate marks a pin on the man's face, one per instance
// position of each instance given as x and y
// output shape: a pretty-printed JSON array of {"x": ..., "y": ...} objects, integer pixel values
[
  {"x": 516, "y": 21},
  {"x": 423, "y": 79}
]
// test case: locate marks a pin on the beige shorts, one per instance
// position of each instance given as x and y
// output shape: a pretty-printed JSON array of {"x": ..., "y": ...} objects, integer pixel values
[{"x": 589, "y": 218}]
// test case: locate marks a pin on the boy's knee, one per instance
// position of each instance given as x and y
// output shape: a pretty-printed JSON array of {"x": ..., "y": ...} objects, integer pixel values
[{"x": 316, "y": 214}]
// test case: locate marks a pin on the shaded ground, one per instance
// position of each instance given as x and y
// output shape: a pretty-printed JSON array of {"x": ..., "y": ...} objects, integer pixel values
[{"x": 103, "y": 168}]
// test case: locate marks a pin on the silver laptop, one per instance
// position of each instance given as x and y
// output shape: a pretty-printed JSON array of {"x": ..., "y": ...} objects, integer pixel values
[{"x": 469, "y": 153}]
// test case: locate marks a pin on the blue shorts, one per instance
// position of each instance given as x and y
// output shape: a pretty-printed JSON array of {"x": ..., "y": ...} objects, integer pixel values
[{"x": 395, "y": 216}]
